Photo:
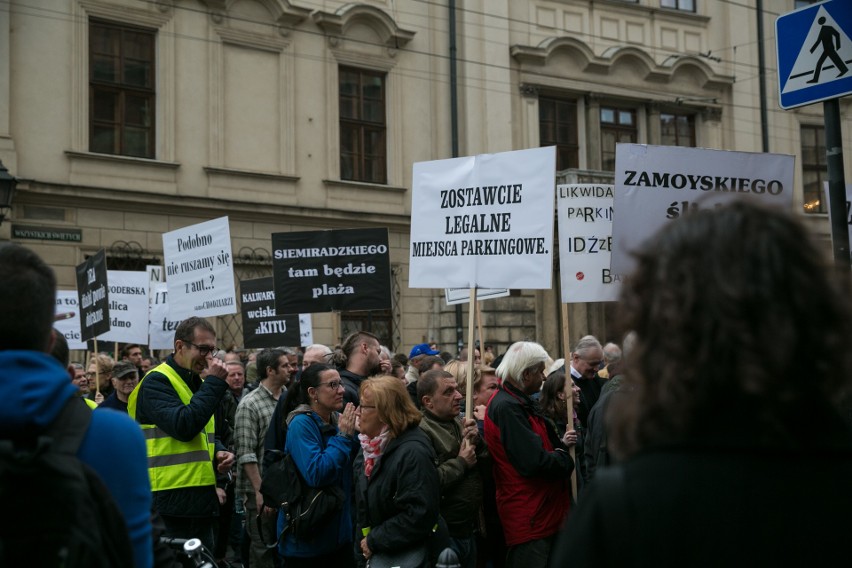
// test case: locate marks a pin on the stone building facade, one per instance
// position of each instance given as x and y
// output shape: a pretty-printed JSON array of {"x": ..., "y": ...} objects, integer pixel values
[{"x": 124, "y": 119}]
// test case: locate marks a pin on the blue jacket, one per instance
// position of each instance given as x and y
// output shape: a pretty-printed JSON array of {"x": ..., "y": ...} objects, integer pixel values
[
  {"x": 322, "y": 462},
  {"x": 35, "y": 389}
]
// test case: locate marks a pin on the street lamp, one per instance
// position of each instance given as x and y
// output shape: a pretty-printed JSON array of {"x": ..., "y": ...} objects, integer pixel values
[{"x": 7, "y": 191}]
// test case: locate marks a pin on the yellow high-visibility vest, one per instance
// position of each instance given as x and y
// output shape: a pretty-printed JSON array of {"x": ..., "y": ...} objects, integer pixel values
[
  {"x": 173, "y": 464},
  {"x": 90, "y": 403}
]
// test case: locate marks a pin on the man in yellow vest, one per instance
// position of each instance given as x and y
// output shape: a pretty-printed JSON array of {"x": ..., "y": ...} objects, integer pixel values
[{"x": 175, "y": 403}]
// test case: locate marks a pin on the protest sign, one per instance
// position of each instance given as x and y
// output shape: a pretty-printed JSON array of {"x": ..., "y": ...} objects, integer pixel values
[
  {"x": 655, "y": 184},
  {"x": 584, "y": 216},
  {"x": 483, "y": 221},
  {"x": 200, "y": 270},
  {"x": 93, "y": 296},
  {"x": 128, "y": 307},
  {"x": 161, "y": 326},
  {"x": 68, "y": 318},
  {"x": 155, "y": 273},
  {"x": 262, "y": 327},
  {"x": 322, "y": 271},
  {"x": 306, "y": 330},
  {"x": 462, "y": 295}
]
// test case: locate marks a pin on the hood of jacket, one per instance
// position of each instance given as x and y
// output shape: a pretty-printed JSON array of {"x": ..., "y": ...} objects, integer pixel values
[{"x": 35, "y": 388}]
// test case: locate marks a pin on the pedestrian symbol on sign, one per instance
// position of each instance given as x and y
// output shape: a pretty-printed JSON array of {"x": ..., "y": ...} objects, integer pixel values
[
  {"x": 830, "y": 40},
  {"x": 823, "y": 57}
]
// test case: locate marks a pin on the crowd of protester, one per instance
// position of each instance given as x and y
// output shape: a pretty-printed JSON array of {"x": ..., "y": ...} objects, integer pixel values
[{"x": 692, "y": 423}]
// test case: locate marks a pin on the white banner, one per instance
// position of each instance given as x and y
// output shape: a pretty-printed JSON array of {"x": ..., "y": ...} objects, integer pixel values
[
  {"x": 462, "y": 295},
  {"x": 128, "y": 307},
  {"x": 155, "y": 273},
  {"x": 584, "y": 214},
  {"x": 161, "y": 328},
  {"x": 306, "y": 330},
  {"x": 68, "y": 318},
  {"x": 483, "y": 221},
  {"x": 200, "y": 270},
  {"x": 655, "y": 184}
]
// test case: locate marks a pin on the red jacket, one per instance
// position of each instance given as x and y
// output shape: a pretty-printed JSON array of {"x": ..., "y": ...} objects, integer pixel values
[{"x": 532, "y": 470}]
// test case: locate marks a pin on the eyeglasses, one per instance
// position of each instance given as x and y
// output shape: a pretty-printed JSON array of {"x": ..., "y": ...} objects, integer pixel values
[
  {"x": 92, "y": 374},
  {"x": 333, "y": 385},
  {"x": 203, "y": 349},
  {"x": 128, "y": 377}
]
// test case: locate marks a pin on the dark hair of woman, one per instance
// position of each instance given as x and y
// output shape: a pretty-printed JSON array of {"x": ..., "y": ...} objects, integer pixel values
[
  {"x": 740, "y": 328},
  {"x": 297, "y": 393},
  {"x": 551, "y": 405}
]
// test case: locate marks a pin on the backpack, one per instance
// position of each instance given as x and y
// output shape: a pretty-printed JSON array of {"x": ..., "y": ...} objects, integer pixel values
[
  {"x": 57, "y": 510},
  {"x": 305, "y": 508}
]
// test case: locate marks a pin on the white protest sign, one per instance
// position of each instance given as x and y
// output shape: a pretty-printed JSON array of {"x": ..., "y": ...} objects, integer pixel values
[
  {"x": 161, "y": 328},
  {"x": 200, "y": 270},
  {"x": 483, "y": 221},
  {"x": 306, "y": 330},
  {"x": 128, "y": 307},
  {"x": 462, "y": 295},
  {"x": 655, "y": 184},
  {"x": 584, "y": 215},
  {"x": 155, "y": 273},
  {"x": 68, "y": 318}
]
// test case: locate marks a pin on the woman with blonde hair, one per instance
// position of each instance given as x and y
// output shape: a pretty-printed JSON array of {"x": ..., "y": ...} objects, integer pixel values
[
  {"x": 99, "y": 374},
  {"x": 398, "y": 492}
]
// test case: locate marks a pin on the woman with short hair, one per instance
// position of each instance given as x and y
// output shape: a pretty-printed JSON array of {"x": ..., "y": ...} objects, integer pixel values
[{"x": 398, "y": 492}]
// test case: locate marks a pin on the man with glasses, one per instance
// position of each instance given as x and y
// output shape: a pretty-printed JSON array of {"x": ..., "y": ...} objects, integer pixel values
[
  {"x": 585, "y": 362},
  {"x": 254, "y": 413},
  {"x": 175, "y": 403},
  {"x": 124, "y": 380}
]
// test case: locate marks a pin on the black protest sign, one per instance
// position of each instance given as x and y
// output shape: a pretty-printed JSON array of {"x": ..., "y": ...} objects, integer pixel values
[
  {"x": 323, "y": 271},
  {"x": 93, "y": 296},
  {"x": 262, "y": 327}
]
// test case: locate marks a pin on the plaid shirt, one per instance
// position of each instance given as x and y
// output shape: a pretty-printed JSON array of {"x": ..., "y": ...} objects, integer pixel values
[{"x": 253, "y": 416}]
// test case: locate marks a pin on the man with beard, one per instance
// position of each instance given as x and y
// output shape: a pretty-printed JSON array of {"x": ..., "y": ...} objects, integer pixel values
[{"x": 359, "y": 357}]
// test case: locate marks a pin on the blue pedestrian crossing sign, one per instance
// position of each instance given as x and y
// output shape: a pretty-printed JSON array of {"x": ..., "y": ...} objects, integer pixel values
[{"x": 814, "y": 53}]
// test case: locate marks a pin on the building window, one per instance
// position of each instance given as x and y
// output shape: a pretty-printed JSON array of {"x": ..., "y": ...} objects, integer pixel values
[
  {"x": 121, "y": 89},
  {"x": 363, "y": 152},
  {"x": 814, "y": 168},
  {"x": 685, "y": 5},
  {"x": 558, "y": 127},
  {"x": 677, "y": 129},
  {"x": 617, "y": 126},
  {"x": 377, "y": 322}
]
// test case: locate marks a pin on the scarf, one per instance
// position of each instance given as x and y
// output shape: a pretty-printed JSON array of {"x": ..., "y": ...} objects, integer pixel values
[{"x": 373, "y": 448}]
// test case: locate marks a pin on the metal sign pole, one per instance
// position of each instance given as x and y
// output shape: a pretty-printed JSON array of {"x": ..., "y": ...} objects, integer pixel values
[{"x": 836, "y": 182}]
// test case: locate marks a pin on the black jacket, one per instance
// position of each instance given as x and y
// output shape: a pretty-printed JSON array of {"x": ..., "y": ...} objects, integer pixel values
[
  {"x": 400, "y": 501},
  {"x": 158, "y": 403},
  {"x": 351, "y": 386},
  {"x": 720, "y": 502}
]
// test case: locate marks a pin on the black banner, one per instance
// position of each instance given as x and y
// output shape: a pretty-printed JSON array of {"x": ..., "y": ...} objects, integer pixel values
[
  {"x": 93, "y": 296},
  {"x": 261, "y": 326},
  {"x": 324, "y": 271}
]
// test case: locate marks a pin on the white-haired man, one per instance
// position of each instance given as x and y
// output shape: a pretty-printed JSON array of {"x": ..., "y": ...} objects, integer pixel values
[
  {"x": 585, "y": 362},
  {"x": 532, "y": 468}
]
